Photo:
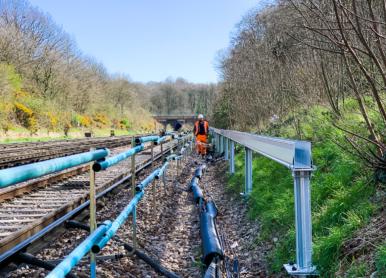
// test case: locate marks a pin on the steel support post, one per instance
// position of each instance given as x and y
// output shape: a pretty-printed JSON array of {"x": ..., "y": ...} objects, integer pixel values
[
  {"x": 226, "y": 148},
  {"x": 215, "y": 136},
  {"x": 92, "y": 216},
  {"x": 133, "y": 168},
  {"x": 232, "y": 157},
  {"x": 303, "y": 224},
  {"x": 221, "y": 138},
  {"x": 248, "y": 171},
  {"x": 133, "y": 185},
  {"x": 162, "y": 151},
  {"x": 152, "y": 160}
]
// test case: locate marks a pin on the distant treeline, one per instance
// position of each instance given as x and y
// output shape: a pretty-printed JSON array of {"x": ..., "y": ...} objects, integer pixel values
[{"x": 47, "y": 82}]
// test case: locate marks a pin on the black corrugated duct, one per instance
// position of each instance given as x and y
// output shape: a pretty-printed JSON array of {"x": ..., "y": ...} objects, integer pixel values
[
  {"x": 199, "y": 171},
  {"x": 210, "y": 242},
  {"x": 197, "y": 192}
]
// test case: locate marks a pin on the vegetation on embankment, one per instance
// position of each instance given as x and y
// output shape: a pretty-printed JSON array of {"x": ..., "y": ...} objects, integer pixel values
[
  {"x": 344, "y": 198},
  {"x": 48, "y": 84}
]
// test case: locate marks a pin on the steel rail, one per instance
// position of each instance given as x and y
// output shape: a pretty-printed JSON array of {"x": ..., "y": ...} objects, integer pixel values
[{"x": 7, "y": 256}]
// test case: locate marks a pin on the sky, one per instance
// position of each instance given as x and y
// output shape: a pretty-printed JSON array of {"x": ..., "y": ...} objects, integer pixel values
[{"x": 151, "y": 40}]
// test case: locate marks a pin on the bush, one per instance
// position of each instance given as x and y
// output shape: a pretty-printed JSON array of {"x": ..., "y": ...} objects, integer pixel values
[
  {"x": 125, "y": 124},
  {"x": 85, "y": 121},
  {"x": 101, "y": 120},
  {"x": 26, "y": 117}
]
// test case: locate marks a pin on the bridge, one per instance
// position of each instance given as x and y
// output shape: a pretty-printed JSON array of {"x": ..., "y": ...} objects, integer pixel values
[{"x": 172, "y": 119}]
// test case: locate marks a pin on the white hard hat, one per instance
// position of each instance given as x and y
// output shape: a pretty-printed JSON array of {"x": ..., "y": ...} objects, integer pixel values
[{"x": 200, "y": 116}]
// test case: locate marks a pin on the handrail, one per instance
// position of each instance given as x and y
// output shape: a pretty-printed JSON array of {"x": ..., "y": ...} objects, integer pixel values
[
  {"x": 294, "y": 154},
  {"x": 22, "y": 173}
]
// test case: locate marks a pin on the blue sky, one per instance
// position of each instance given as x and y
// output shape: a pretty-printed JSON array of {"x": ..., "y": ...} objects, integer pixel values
[{"x": 150, "y": 40}]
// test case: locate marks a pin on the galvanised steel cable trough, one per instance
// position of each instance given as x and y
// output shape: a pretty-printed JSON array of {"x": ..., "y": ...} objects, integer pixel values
[{"x": 295, "y": 155}]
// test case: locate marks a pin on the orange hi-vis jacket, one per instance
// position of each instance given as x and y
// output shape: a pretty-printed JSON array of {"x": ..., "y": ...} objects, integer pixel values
[{"x": 201, "y": 129}]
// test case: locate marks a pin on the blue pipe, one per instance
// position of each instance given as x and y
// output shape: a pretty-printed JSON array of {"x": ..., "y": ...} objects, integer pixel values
[
  {"x": 171, "y": 157},
  {"x": 145, "y": 139},
  {"x": 103, "y": 165},
  {"x": 199, "y": 171},
  {"x": 162, "y": 170},
  {"x": 172, "y": 134},
  {"x": 117, "y": 223},
  {"x": 22, "y": 173},
  {"x": 141, "y": 186},
  {"x": 178, "y": 157},
  {"x": 197, "y": 192},
  {"x": 160, "y": 140},
  {"x": 210, "y": 241},
  {"x": 62, "y": 269}
]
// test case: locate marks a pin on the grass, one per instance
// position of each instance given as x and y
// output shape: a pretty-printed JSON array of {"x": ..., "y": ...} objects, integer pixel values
[
  {"x": 20, "y": 135},
  {"x": 380, "y": 260},
  {"x": 341, "y": 188}
]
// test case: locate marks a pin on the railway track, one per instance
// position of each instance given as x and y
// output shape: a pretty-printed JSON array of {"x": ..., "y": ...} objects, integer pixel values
[
  {"x": 23, "y": 153},
  {"x": 30, "y": 210}
]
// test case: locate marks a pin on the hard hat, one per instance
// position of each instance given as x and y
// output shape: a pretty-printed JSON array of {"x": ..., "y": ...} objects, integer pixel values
[{"x": 200, "y": 116}]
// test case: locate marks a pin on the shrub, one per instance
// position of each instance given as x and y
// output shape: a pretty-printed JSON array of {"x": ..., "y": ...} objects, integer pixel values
[
  {"x": 26, "y": 117},
  {"x": 125, "y": 124},
  {"x": 101, "y": 120},
  {"x": 85, "y": 121}
]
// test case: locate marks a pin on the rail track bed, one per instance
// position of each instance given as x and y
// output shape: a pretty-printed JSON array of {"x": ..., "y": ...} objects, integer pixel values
[
  {"x": 27, "y": 208},
  {"x": 15, "y": 154},
  {"x": 168, "y": 230}
]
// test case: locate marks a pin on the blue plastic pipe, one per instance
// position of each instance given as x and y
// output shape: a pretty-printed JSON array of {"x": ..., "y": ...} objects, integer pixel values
[
  {"x": 162, "y": 170},
  {"x": 62, "y": 269},
  {"x": 197, "y": 192},
  {"x": 147, "y": 139},
  {"x": 160, "y": 140},
  {"x": 211, "y": 246},
  {"x": 141, "y": 186},
  {"x": 171, "y": 157},
  {"x": 22, "y": 173},
  {"x": 117, "y": 223},
  {"x": 103, "y": 165}
]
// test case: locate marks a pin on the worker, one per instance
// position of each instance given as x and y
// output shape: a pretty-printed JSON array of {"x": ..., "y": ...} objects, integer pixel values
[{"x": 201, "y": 130}]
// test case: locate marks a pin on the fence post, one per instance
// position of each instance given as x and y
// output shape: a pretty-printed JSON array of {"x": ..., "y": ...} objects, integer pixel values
[
  {"x": 303, "y": 224},
  {"x": 226, "y": 147},
  {"x": 232, "y": 157},
  {"x": 92, "y": 216},
  {"x": 248, "y": 171}
]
